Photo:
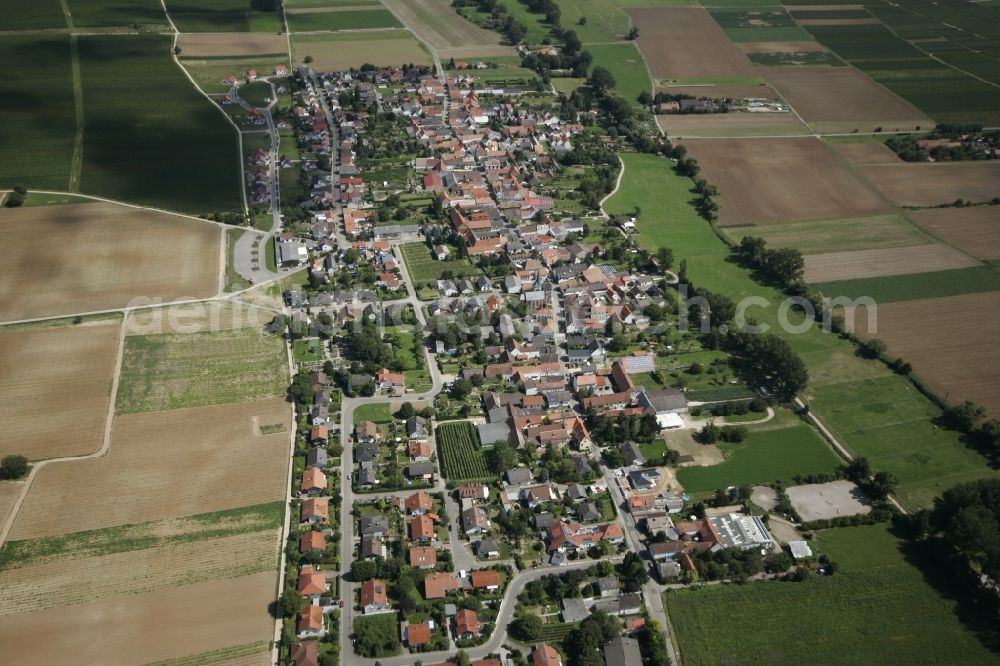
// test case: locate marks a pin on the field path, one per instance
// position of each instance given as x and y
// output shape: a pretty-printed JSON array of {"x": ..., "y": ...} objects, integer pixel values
[
  {"x": 438, "y": 69},
  {"x": 100, "y": 453},
  {"x": 618, "y": 182},
  {"x": 76, "y": 166}
]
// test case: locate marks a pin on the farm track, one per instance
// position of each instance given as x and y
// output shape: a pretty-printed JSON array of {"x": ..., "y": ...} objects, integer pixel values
[{"x": 76, "y": 166}]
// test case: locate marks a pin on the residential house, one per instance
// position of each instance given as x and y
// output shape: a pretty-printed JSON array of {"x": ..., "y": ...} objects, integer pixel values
[
  {"x": 474, "y": 520},
  {"x": 418, "y": 635},
  {"x": 417, "y": 427},
  {"x": 419, "y": 450},
  {"x": 422, "y": 529},
  {"x": 312, "y": 541},
  {"x": 488, "y": 548},
  {"x": 466, "y": 624},
  {"x": 313, "y": 481},
  {"x": 374, "y": 597},
  {"x": 305, "y": 653},
  {"x": 315, "y": 510},
  {"x": 312, "y": 583},
  {"x": 422, "y": 470},
  {"x": 545, "y": 655},
  {"x": 485, "y": 579},
  {"x": 374, "y": 526},
  {"x": 310, "y": 624},
  {"x": 518, "y": 476},
  {"x": 622, "y": 651},
  {"x": 437, "y": 585},
  {"x": 366, "y": 431},
  {"x": 423, "y": 557},
  {"x": 373, "y": 547},
  {"x": 418, "y": 503},
  {"x": 632, "y": 454},
  {"x": 317, "y": 457}
]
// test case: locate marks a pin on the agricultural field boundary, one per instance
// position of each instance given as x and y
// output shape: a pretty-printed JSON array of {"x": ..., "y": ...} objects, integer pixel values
[{"x": 76, "y": 164}]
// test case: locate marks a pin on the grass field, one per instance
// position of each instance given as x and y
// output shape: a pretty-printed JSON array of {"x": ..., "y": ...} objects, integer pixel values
[
  {"x": 767, "y": 455},
  {"x": 209, "y": 73},
  {"x": 155, "y": 141},
  {"x": 237, "y": 466},
  {"x": 925, "y": 458},
  {"x": 41, "y": 15},
  {"x": 257, "y": 93},
  {"x": 377, "y": 413},
  {"x": 916, "y": 286},
  {"x": 878, "y": 608},
  {"x": 423, "y": 267},
  {"x": 858, "y": 264},
  {"x": 107, "y": 256},
  {"x": 171, "y": 371},
  {"x": 43, "y": 146},
  {"x": 438, "y": 24},
  {"x": 337, "y": 51},
  {"x": 117, "y": 13},
  {"x": 220, "y": 16},
  {"x": 461, "y": 454},
  {"x": 68, "y": 366},
  {"x": 606, "y": 22},
  {"x": 625, "y": 63},
  {"x": 360, "y": 19}
]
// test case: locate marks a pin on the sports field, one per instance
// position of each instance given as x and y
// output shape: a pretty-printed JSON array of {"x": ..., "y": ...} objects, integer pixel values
[
  {"x": 56, "y": 387},
  {"x": 781, "y": 180},
  {"x": 343, "y": 50},
  {"x": 877, "y": 608},
  {"x": 768, "y": 454},
  {"x": 155, "y": 141},
  {"x": 105, "y": 256}
]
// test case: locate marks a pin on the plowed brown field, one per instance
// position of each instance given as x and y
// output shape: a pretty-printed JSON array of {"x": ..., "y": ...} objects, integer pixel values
[
  {"x": 923, "y": 184},
  {"x": 55, "y": 384},
  {"x": 951, "y": 343},
  {"x": 686, "y": 43},
  {"x": 163, "y": 465},
  {"x": 973, "y": 230},
  {"x": 774, "y": 180},
  {"x": 138, "y": 629},
  {"x": 99, "y": 256},
  {"x": 888, "y": 261}
]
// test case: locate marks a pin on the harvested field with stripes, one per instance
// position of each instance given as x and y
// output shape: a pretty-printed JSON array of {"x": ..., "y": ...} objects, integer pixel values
[
  {"x": 973, "y": 230},
  {"x": 925, "y": 184},
  {"x": 876, "y": 263}
]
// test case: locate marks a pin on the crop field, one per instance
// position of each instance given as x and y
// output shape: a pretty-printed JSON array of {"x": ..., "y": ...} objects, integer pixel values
[
  {"x": 44, "y": 150},
  {"x": 220, "y": 16},
  {"x": 807, "y": 46},
  {"x": 750, "y": 91},
  {"x": 822, "y": 236},
  {"x": 972, "y": 230},
  {"x": 197, "y": 317},
  {"x": 805, "y": 58},
  {"x": 758, "y": 24},
  {"x": 117, "y": 13},
  {"x": 174, "y": 370},
  {"x": 625, "y": 64},
  {"x": 39, "y": 15},
  {"x": 685, "y": 43},
  {"x": 938, "y": 90},
  {"x": 606, "y": 22},
  {"x": 926, "y": 184},
  {"x": 949, "y": 341},
  {"x": 71, "y": 367},
  {"x": 887, "y": 420},
  {"x": 843, "y": 99},
  {"x": 189, "y": 163},
  {"x": 437, "y": 23},
  {"x": 917, "y": 286},
  {"x": 461, "y": 455},
  {"x": 73, "y": 582},
  {"x": 423, "y": 267},
  {"x": 227, "y": 44},
  {"x": 344, "y": 50},
  {"x": 876, "y": 594},
  {"x": 766, "y": 455},
  {"x": 712, "y": 125},
  {"x": 358, "y": 19},
  {"x": 774, "y": 180},
  {"x": 106, "y": 256},
  {"x": 194, "y": 619},
  {"x": 237, "y": 467},
  {"x": 857, "y": 264}
]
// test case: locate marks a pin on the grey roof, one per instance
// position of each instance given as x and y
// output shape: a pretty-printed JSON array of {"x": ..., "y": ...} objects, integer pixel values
[
  {"x": 665, "y": 400},
  {"x": 669, "y": 569},
  {"x": 491, "y": 433},
  {"x": 416, "y": 425},
  {"x": 419, "y": 469},
  {"x": 518, "y": 475},
  {"x": 632, "y": 454},
  {"x": 621, "y": 651},
  {"x": 487, "y": 546},
  {"x": 574, "y": 610},
  {"x": 365, "y": 452},
  {"x": 588, "y": 512},
  {"x": 544, "y": 520},
  {"x": 374, "y": 525},
  {"x": 316, "y": 457},
  {"x": 576, "y": 491},
  {"x": 643, "y": 478},
  {"x": 608, "y": 584}
]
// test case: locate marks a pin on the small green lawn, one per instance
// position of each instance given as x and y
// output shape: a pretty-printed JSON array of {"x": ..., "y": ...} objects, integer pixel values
[
  {"x": 309, "y": 350},
  {"x": 272, "y": 261},
  {"x": 377, "y": 413},
  {"x": 257, "y": 93}
]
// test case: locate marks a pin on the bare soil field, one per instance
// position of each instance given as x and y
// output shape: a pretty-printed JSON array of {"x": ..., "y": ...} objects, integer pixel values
[
  {"x": 221, "y": 44},
  {"x": 819, "y": 501},
  {"x": 714, "y": 125},
  {"x": 69, "y": 582},
  {"x": 163, "y": 465},
  {"x": 55, "y": 384},
  {"x": 839, "y": 21},
  {"x": 702, "y": 454},
  {"x": 685, "y": 42},
  {"x": 339, "y": 51},
  {"x": 138, "y": 629},
  {"x": 842, "y": 98},
  {"x": 925, "y": 184},
  {"x": 9, "y": 492},
  {"x": 97, "y": 256},
  {"x": 951, "y": 343},
  {"x": 774, "y": 180},
  {"x": 471, "y": 52},
  {"x": 760, "y": 91},
  {"x": 973, "y": 230},
  {"x": 438, "y": 24},
  {"x": 892, "y": 261},
  {"x": 822, "y": 236},
  {"x": 781, "y": 47},
  {"x": 866, "y": 153}
]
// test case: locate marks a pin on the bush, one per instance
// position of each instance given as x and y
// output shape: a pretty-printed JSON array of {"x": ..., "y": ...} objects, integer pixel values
[{"x": 14, "y": 467}]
